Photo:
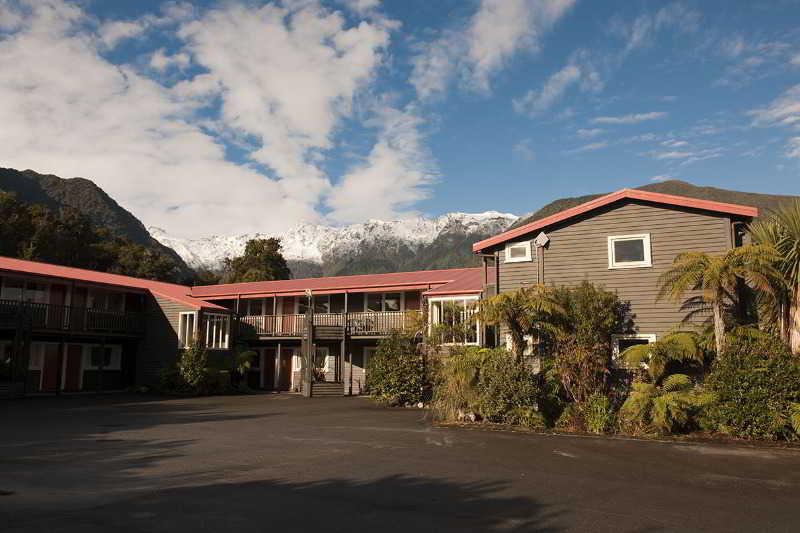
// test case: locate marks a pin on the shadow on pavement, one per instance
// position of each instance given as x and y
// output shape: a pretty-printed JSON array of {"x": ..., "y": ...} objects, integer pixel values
[{"x": 396, "y": 503}]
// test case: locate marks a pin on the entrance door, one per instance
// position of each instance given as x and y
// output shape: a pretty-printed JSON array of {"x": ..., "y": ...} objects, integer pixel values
[
  {"x": 72, "y": 372},
  {"x": 50, "y": 368},
  {"x": 285, "y": 369},
  {"x": 268, "y": 369}
]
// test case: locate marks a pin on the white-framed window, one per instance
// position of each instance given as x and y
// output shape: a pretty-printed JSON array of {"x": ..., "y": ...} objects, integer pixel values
[
  {"x": 623, "y": 342},
  {"x": 217, "y": 331},
  {"x": 518, "y": 252},
  {"x": 629, "y": 251},
  {"x": 529, "y": 344},
  {"x": 187, "y": 328},
  {"x": 453, "y": 316}
]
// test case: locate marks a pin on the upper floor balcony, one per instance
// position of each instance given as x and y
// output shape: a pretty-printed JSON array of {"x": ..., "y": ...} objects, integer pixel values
[
  {"x": 358, "y": 324},
  {"x": 42, "y": 317}
]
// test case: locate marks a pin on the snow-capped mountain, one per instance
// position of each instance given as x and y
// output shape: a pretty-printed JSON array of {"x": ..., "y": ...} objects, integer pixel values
[{"x": 321, "y": 245}]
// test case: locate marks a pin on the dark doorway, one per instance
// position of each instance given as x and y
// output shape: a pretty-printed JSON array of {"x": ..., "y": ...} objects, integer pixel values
[
  {"x": 72, "y": 374},
  {"x": 268, "y": 368},
  {"x": 285, "y": 370}
]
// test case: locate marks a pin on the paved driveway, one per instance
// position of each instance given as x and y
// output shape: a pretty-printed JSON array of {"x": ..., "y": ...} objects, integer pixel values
[{"x": 272, "y": 463}]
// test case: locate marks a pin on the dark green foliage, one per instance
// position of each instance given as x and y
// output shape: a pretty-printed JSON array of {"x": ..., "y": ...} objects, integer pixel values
[
  {"x": 262, "y": 261},
  {"x": 83, "y": 196},
  {"x": 754, "y": 382},
  {"x": 592, "y": 315},
  {"x": 396, "y": 374},
  {"x": 192, "y": 364},
  {"x": 485, "y": 384},
  {"x": 67, "y": 237},
  {"x": 597, "y": 413},
  {"x": 506, "y": 388}
]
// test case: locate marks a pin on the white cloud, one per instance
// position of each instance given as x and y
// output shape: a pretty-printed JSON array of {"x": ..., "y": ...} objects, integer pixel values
[
  {"x": 660, "y": 177},
  {"x": 112, "y": 33},
  {"x": 793, "y": 148},
  {"x": 161, "y": 61},
  {"x": 524, "y": 149},
  {"x": 591, "y": 147},
  {"x": 498, "y": 30},
  {"x": 753, "y": 59},
  {"x": 641, "y": 32},
  {"x": 534, "y": 103},
  {"x": 633, "y": 118},
  {"x": 285, "y": 79},
  {"x": 783, "y": 111},
  {"x": 687, "y": 157},
  {"x": 795, "y": 60},
  {"x": 395, "y": 175},
  {"x": 588, "y": 133},
  {"x": 674, "y": 143}
]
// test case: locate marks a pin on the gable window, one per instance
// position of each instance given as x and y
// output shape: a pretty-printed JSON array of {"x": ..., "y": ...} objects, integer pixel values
[
  {"x": 629, "y": 251},
  {"x": 518, "y": 252},
  {"x": 217, "y": 329},
  {"x": 187, "y": 329}
]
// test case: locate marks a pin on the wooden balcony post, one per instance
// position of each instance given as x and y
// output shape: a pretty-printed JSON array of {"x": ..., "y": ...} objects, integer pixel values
[{"x": 308, "y": 356}]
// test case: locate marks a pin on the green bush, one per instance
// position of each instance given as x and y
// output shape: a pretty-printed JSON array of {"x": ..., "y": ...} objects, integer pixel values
[
  {"x": 192, "y": 364},
  {"x": 455, "y": 390},
  {"x": 754, "y": 381},
  {"x": 597, "y": 413},
  {"x": 169, "y": 380},
  {"x": 505, "y": 385},
  {"x": 396, "y": 373}
]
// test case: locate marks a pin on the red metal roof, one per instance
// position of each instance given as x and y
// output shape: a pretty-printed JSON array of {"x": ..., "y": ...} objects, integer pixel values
[
  {"x": 470, "y": 282},
  {"x": 395, "y": 281},
  {"x": 632, "y": 194},
  {"x": 178, "y": 293}
]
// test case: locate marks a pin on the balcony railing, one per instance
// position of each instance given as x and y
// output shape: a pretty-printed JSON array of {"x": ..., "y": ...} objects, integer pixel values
[
  {"x": 368, "y": 323},
  {"x": 39, "y": 316}
]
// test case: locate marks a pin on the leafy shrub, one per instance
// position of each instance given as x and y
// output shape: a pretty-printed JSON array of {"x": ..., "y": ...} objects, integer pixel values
[
  {"x": 597, "y": 413},
  {"x": 169, "y": 380},
  {"x": 592, "y": 315},
  {"x": 672, "y": 407},
  {"x": 755, "y": 381},
  {"x": 570, "y": 419},
  {"x": 192, "y": 363},
  {"x": 396, "y": 373},
  {"x": 505, "y": 385},
  {"x": 456, "y": 391},
  {"x": 526, "y": 417}
]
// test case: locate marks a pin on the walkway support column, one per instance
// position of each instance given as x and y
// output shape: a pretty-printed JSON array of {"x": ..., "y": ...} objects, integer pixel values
[{"x": 308, "y": 351}]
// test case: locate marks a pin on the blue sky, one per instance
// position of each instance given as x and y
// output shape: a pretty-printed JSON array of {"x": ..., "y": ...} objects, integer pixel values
[{"x": 251, "y": 116}]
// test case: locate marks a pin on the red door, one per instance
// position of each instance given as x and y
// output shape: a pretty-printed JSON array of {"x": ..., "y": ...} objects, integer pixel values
[
  {"x": 50, "y": 368},
  {"x": 268, "y": 368},
  {"x": 285, "y": 370},
  {"x": 72, "y": 374}
]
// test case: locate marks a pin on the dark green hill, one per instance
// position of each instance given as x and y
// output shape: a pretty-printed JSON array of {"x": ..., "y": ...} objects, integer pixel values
[{"x": 90, "y": 200}]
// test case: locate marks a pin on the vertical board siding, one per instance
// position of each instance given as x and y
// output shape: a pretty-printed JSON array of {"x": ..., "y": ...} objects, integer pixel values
[
  {"x": 159, "y": 348},
  {"x": 578, "y": 251}
]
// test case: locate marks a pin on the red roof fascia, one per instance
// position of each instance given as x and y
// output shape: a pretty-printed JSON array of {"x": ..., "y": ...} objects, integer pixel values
[
  {"x": 178, "y": 293},
  {"x": 632, "y": 194},
  {"x": 421, "y": 279}
]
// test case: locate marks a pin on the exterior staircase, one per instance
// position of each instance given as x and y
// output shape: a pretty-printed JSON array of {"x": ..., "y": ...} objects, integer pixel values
[{"x": 324, "y": 389}]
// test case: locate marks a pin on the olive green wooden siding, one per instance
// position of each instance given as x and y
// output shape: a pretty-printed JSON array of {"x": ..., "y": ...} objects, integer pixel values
[
  {"x": 578, "y": 251},
  {"x": 159, "y": 348}
]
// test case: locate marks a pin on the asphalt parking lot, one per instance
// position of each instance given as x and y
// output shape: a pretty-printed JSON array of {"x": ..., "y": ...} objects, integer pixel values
[{"x": 282, "y": 462}]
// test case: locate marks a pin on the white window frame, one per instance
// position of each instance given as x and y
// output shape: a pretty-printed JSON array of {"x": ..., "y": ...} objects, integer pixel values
[
  {"x": 649, "y": 337},
  {"x": 528, "y": 253},
  {"x": 185, "y": 340},
  {"x": 211, "y": 321},
  {"x": 644, "y": 237},
  {"x": 467, "y": 300}
]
